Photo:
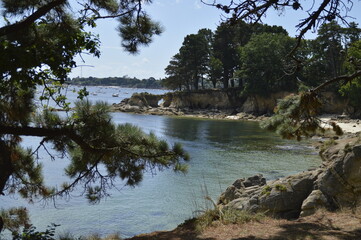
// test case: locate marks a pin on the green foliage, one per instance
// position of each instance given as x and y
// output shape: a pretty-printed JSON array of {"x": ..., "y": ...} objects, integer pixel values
[
  {"x": 266, "y": 190},
  {"x": 328, "y": 54},
  {"x": 281, "y": 187},
  {"x": 124, "y": 151},
  {"x": 117, "y": 81},
  {"x": 30, "y": 233},
  {"x": 137, "y": 29},
  {"x": 39, "y": 41},
  {"x": 296, "y": 116},
  {"x": 352, "y": 89},
  {"x": 263, "y": 63},
  {"x": 189, "y": 66},
  {"x": 215, "y": 70},
  {"x": 14, "y": 219},
  {"x": 214, "y": 56}
]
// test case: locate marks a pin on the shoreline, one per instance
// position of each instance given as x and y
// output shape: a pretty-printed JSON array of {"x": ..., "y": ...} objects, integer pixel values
[
  {"x": 332, "y": 154},
  {"x": 343, "y": 121}
]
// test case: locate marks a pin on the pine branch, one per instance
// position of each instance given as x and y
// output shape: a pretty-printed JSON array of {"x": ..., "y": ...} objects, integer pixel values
[
  {"x": 30, "y": 19},
  {"x": 345, "y": 78},
  {"x": 50, "y": 132},
  {"x": 57, "y": 132}
]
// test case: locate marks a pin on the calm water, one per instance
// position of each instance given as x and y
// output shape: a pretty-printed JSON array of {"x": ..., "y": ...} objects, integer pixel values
[{"x": 221, "y": 152}]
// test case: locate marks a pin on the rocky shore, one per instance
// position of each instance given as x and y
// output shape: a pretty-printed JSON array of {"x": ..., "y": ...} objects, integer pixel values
[
  {"x": 217, "y": 104},
  {"x": 336, "y": 184},
  {"x": 322, "y": 203},
  {"x": 144, "y": 103}
]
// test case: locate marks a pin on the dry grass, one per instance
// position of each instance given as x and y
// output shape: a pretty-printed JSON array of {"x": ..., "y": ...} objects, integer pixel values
[{"x": 324, "y": 225}]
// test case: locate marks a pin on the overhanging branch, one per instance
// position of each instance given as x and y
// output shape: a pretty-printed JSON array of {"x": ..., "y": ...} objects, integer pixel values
[
  {"x": 71, "y": 134},
  {"x": 30, "y": 19},
  {"x": 50, "y": 132},
  {"x": 345, "y": 78}
]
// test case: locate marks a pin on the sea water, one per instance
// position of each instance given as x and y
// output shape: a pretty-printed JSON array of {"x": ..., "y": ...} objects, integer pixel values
[{"x": 221, "y": 152}]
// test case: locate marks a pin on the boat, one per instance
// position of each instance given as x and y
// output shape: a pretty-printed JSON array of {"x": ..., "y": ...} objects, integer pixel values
[{"x": 115, "y": 94}]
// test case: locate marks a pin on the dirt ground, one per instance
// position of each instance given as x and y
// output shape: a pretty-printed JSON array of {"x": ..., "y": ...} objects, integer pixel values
[{"x": 323, "y": 225}]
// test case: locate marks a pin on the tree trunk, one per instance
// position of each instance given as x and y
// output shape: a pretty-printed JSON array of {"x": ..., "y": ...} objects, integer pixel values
[
  {"x": 6, "y": 167},
  {"x": 232, "y": 82},
  {"x": 225, "y": 82}
]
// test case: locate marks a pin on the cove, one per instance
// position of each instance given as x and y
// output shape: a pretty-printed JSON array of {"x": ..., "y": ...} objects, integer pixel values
[{"x": 221, "y": 152}]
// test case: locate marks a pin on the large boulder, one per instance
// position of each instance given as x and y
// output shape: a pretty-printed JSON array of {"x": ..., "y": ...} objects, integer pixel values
[
  {"x": 341, "y": 182},
  {"x": 337, "y": 183},
  {"x": 313, "y": 202},
  {"x": 280, "y": 198}
]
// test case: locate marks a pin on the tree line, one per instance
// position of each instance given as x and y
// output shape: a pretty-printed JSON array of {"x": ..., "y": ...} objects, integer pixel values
[
  {"x": 255, "y": 57},
  {"x": 124, "y": 81}
]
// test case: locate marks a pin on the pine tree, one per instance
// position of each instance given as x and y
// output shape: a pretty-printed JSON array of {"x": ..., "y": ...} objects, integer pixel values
[{"x": 38, "y": 43}]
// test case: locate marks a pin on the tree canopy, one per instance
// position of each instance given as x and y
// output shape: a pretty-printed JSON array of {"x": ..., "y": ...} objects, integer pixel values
[
  {"x": 38, "y": 43},
  {"x": 262, "y": 61},
  {"x": 297, "y": 116}
]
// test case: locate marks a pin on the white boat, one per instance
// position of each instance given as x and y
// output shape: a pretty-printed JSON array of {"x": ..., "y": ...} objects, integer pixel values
[{"x": 115, "y": 94}]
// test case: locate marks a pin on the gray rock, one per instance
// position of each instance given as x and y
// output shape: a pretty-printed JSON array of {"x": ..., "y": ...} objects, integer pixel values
[
  {"x": 337, "y": 183},
  {"x": 341, "y": 181},
  {"x": 281, "y": 198},
  {"x": 313, "y": 202}
]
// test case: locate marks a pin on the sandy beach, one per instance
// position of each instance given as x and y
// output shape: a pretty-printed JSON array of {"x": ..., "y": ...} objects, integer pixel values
[{"x": 346, "y": 124}]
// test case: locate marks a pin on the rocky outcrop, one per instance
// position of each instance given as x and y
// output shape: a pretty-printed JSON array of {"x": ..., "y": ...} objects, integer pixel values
[
  {"x": 218, "y": 100},
  {"x": 143, "y": 100},
  {"x": 210, "y": 100},
  {"x": 262, "y": 105},
  {"x": 279, "y": 198},
  {"x": 341, "y": 181},
  {"x": 224, "y": 99},
  {"x": 337, "y": 183},
  {"x": 205, "y": 99}
]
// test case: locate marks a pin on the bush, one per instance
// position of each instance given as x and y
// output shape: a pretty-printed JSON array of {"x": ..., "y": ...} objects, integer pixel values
[{"x": 30, "y": 233}]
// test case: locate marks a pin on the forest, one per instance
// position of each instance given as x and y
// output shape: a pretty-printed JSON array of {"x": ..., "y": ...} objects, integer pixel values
[
  {"x": 256, "y": 58},
  {"x": 124, "y": 81}
]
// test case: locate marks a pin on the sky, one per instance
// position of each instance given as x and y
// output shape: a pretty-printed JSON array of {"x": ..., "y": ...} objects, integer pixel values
[{"x": 178, "y": 19}]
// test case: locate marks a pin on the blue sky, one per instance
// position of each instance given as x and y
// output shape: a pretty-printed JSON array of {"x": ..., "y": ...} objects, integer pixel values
[{"x": 178, "y": 18}]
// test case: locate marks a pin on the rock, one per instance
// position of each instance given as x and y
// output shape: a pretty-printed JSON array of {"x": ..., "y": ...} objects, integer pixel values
[
  {"x": 286, "y": 195},
  {"x": 242, "y": 187},
  {"x": 230, "y": 194},
  {"x": 239, "y": 183},
  {"x": 336, "y": 183},
  {"x": 255, "y": 180},
  {"x": 313, "y": 202},
  {"x": 280, "y": 198},
  {"x": 342, "y": 179},
  {"x": 144, "y": 100},
  {"x": 262, "y": 105}
]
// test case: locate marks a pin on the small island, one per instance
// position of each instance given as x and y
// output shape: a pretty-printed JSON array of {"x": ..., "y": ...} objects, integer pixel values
[{"x": 125, "y": 82}]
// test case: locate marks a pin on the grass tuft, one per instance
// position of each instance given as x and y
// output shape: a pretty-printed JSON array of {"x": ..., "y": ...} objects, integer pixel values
[{"x": 226, "y": 216}]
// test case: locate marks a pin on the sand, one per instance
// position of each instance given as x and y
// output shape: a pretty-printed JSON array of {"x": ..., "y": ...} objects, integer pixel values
[{"x": 346, "y": 124}]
